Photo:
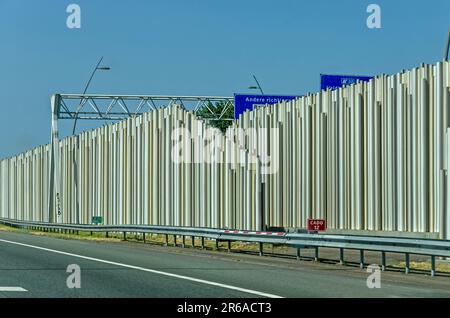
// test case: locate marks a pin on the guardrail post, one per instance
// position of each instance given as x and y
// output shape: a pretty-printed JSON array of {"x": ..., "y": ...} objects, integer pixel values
[
  {"x": 433, "y": 265},
  {"x": 174, "y": 240},
  {"x": 316, "y": 254},
  {"x": 184, "y": 242},
  {"x": 298, "y": 253},
  {"x": 341, "y": 256},
  {"x": 203, "y": 243},
  {"x": 91, "y": 233},
  {"x": 193, "y": 241},
  {"x": 361, "y": 259},
  {"x": 406, "y": 263},
  {"x": 383, "y": 261},
  {"x": 229, "y": 246},
  {"x": 167, "y": 240},
  {"x": 217, "y": 244},
  {"x": 261, "y": 248},
  {"x": 106, "y": 234},
  {"x": 143, "y": 238},
  {"x": 124, "y": 236}
]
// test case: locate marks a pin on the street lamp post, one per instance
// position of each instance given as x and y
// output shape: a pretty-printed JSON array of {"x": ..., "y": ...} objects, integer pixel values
[
  {"x": 75, "y": 166},
  {"x": 97, "y": 67},
  {"x": 447, "y": 46},
  {"x": 256, "y": 87}
]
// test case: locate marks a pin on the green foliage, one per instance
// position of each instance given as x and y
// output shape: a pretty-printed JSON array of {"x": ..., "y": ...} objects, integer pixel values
[{"x": 212, "y": 110}]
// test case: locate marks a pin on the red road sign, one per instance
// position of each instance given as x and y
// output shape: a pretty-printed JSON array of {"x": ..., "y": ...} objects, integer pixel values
[{"x": 317, "y": 225}]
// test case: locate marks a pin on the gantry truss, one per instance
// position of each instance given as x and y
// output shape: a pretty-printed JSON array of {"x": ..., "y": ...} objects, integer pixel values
[{"x": 118, "y": 107}]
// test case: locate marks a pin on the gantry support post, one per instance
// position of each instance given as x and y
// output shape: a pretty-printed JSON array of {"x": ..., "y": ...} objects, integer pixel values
[{"x": 54, "y": 196}]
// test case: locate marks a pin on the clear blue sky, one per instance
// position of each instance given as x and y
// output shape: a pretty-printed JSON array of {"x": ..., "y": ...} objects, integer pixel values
[{"x": 193, "y": 47}]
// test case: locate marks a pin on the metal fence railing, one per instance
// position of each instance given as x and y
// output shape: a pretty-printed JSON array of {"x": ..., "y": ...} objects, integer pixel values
[{"x": 407, "y": 246}]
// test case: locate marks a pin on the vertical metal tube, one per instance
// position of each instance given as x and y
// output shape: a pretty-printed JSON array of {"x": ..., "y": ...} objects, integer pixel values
[{"x": 446, "y": 214}]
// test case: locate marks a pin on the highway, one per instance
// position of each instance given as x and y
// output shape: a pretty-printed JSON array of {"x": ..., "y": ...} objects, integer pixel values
[{"x": 35, "y": 266}]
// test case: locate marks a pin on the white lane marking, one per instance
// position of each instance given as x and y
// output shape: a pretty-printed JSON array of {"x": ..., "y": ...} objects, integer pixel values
[
  {"x": 12, "y": 289},
  {"x": 244, "y": 290}
]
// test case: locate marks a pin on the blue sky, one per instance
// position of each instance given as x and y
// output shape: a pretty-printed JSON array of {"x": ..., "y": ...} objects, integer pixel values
[{"x": 197, "y": 47}]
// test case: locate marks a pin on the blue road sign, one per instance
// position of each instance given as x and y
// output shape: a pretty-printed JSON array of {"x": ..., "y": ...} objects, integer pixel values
[
  {"x": 336, "y": 81},
  {"x": 244, "y": 102}
]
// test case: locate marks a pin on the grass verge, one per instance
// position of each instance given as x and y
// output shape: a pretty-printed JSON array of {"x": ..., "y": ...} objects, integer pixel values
[
  {"x": 424, "y": 266},
  {"x": 138, "y": 237}
]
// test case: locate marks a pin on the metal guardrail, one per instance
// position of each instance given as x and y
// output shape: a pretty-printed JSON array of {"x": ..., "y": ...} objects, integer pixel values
[{"x": 407, "y": 246}]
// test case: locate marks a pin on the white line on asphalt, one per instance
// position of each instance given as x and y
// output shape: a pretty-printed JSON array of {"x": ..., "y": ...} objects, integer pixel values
[
  {"x": 12, "y": 289},
  {"x": 244, "y": 290}
]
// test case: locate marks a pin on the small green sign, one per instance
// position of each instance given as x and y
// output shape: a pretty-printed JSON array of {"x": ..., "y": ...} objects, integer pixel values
[{"x": 97, "y": 220}]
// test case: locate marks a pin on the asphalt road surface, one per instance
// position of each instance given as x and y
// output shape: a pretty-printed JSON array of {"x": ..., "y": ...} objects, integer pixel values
[{"x": 36, "y": 266}]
